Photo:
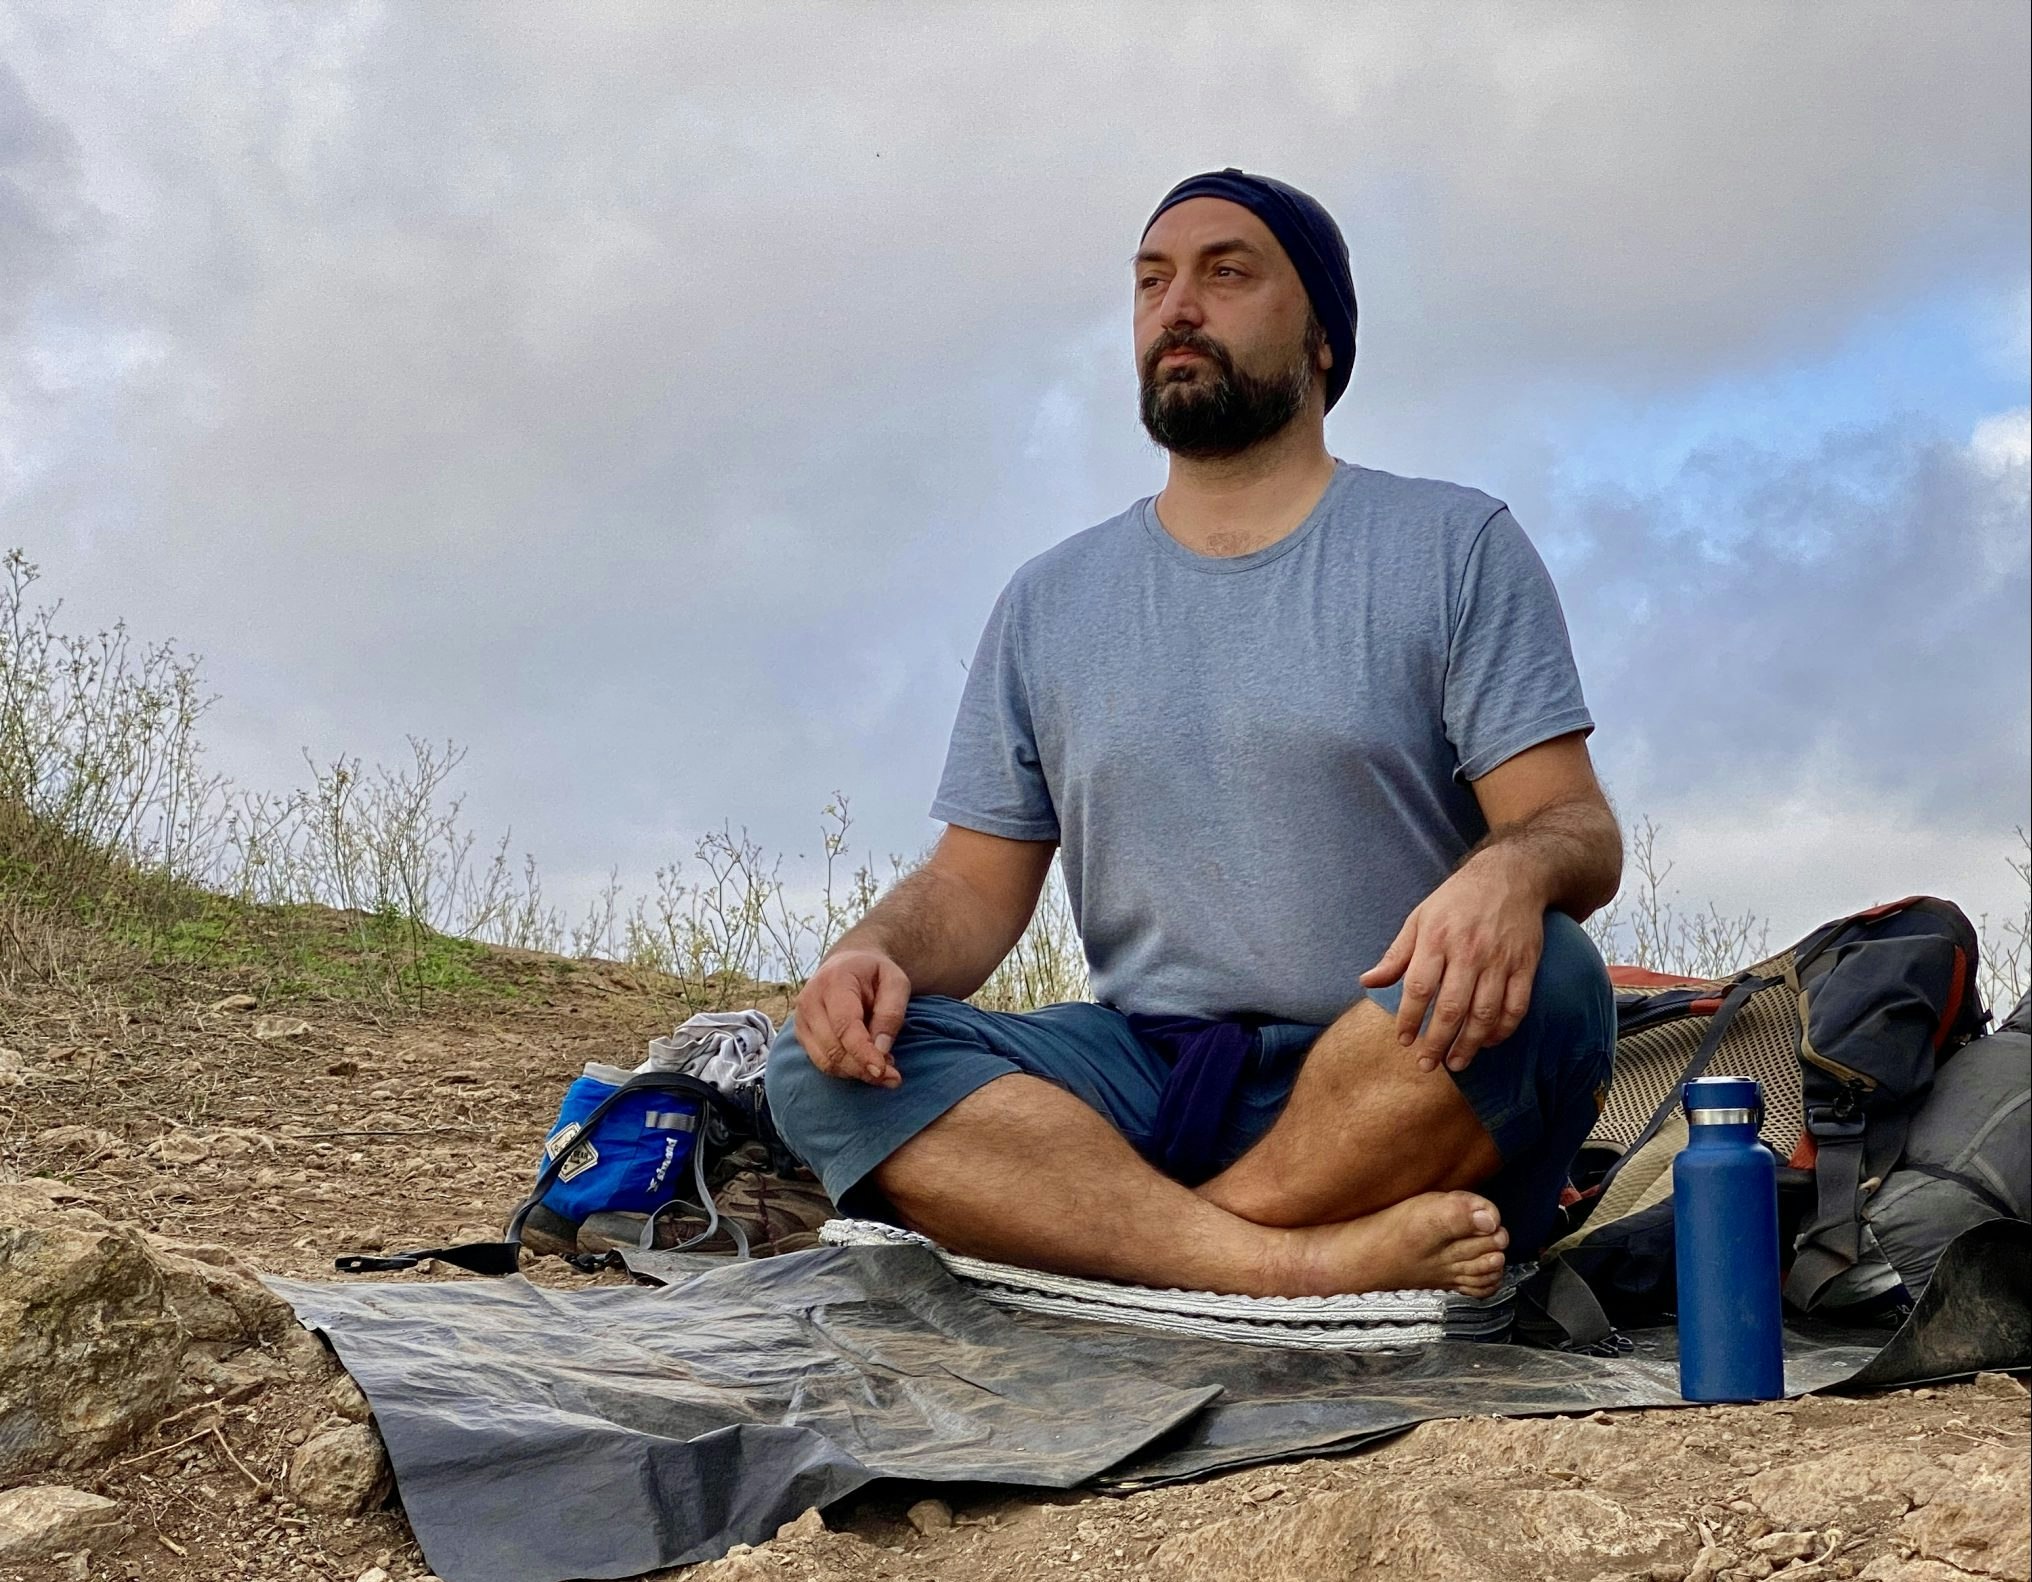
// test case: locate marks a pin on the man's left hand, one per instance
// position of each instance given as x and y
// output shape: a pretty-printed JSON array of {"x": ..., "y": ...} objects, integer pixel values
[{"x": 1469, "y": 951}]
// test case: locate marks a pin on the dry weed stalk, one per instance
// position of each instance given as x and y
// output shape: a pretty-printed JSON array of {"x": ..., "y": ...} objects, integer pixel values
[
  {"x": 1642, "y": 927},
  {"x": 106, "y": 811}
]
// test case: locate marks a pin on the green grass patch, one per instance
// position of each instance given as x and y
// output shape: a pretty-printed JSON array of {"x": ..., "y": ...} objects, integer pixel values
[{"x": 311, "y": 950}]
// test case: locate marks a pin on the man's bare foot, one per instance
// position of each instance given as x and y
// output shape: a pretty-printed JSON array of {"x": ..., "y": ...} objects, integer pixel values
[{"x": 1451, "y": 1241}]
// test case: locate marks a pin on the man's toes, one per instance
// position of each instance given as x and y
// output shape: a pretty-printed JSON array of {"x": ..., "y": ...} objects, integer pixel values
[
  {"x": 1465, "y": 1214},
  {"x": 1480, "y": 1276}
]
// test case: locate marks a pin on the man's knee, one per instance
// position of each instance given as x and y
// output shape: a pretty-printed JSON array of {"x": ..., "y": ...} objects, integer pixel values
[
  {"x": 1571, "y": 983},
  {"x": 942, "y": 1049},
  {"x": 1573, "y": 1007}
]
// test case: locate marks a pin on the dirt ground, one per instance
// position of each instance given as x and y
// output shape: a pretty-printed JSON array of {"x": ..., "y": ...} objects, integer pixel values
[{"x": 201, "y": 1108}]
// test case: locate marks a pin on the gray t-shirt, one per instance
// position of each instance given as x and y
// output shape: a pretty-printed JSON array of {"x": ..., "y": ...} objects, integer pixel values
[{"x": 1257, "y": 765}]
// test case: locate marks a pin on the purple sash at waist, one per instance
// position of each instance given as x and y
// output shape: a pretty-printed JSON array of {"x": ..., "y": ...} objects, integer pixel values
[{"x": 1207, "y": 1057}]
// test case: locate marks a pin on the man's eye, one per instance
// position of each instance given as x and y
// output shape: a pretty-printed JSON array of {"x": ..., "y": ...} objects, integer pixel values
[{"x": 1227, "y": 269}]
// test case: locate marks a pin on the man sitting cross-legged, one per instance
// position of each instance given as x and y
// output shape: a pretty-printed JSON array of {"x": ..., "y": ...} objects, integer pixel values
[{"x": 1310, "y": 742}]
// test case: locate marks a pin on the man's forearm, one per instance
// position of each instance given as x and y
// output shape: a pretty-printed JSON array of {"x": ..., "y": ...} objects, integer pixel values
[
  {"x": 1569, "y": 854},
  {"x": 935, "y": 927}
]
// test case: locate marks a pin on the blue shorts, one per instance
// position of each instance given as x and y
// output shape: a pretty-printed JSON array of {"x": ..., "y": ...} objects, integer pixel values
[{"x": 1537, "y": 1093}]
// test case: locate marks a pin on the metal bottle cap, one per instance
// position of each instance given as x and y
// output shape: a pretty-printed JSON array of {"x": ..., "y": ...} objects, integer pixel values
[{"x": 1724, "y": 1101}]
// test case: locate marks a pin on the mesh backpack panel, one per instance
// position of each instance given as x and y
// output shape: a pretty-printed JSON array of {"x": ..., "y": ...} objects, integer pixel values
[{"x": 1763, "y": 1043}]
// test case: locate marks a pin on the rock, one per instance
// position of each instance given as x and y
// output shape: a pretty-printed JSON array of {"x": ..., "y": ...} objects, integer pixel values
[
  {"x": 236, "y": 1142},
  {"x": 217, "y": 1297},
  {"x": 345, "y": 1397},
  {"x": 1417, "y": 1534},
  {"x": 1853, "y": 1486},
  {"x": 89, "y": 1344},
  {"x": 1890, "y": 1568},
  {"x": 235, "y": 1002},
  {"x": 2000, "y": 1385},
  {"x": 12, "y": 1074},
  {"x": 740, "y": 1564},
  {"x": 238, "y": 1377},
  {"x": 49, "y": 1193},
  {"x": 305, "y": 1355},
  {"x": 1782, "y": 1547},
  {"x": 809, "y": 1525},
  {"x": 342, "y": 1472},
  {"x": 374, "y": 1574},
  {"x": 179, "y": 1148},
  {"x": 80, "y": 1142},
  {"x": 42, "y": 1520},
  {"x": 1592, "y": 1447},
  {"x": 930, "y": 1516},
  {"x": 1980, "y": 1519},
  {"x": 1704, "y": 1566},
  {"x": 272, "y": 1027}
]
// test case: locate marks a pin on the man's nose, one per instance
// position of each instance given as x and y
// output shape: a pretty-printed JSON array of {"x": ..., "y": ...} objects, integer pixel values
[{"x": 1181, "y": 306}]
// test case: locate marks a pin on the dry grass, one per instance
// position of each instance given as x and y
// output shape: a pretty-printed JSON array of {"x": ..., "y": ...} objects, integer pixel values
[{"x": 109, "y": 817}]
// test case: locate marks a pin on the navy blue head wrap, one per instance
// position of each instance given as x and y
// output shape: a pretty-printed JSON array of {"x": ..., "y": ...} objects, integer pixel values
[{"x": 1309, "y": 238}]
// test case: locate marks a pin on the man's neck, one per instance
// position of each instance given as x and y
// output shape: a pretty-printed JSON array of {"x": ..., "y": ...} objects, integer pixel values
[{"x": 1238, "y": 504}]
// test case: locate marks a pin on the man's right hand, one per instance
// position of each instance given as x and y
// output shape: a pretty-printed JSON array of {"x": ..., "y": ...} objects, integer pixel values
[{"x": 849, "y": 1014}]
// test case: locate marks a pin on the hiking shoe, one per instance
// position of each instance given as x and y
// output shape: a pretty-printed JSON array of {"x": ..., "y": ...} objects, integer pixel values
[
  {"x": 549, "y": 1234},
  {"x": 779, "y": 1215}
]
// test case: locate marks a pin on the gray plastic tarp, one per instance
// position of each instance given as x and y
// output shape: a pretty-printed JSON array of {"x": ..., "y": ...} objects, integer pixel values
[{"x": 541, "y": 1435}]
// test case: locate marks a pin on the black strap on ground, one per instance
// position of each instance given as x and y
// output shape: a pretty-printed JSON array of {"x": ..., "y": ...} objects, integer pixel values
[{"x": 476, "y": 1257}]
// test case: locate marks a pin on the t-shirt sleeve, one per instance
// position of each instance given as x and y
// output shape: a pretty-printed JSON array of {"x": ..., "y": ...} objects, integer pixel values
[
  {"x": 994, "y": 779},
  {"x": 1510, "y": 676}
]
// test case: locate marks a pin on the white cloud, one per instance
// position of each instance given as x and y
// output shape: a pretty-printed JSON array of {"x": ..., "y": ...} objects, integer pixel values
[
  {"x": 1821, "y": 846},
  {"x": 654, "y": 399},
  {"x": 2002, "y": 447}
]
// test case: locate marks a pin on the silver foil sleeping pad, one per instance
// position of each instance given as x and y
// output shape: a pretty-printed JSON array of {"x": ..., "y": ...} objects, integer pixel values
[{"x": 1374, "y": 1321}]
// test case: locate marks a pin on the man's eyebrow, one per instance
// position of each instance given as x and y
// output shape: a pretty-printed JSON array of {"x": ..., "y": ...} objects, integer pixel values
[{"x": 1151, "y": 255}]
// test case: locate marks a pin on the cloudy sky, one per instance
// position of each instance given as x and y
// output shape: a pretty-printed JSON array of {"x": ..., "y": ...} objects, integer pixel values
[{"x": 654, "y": 399}]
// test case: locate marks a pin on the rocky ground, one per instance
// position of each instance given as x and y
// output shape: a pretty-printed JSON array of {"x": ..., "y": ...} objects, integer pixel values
[{"x": 165, "y": 1135}]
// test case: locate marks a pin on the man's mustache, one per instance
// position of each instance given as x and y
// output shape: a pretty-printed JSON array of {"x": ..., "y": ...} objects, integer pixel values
[{"x": 1186, "y": 341}]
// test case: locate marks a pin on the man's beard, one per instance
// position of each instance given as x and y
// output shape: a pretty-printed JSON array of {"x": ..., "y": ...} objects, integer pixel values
[{"x": 1209, "y": 419}]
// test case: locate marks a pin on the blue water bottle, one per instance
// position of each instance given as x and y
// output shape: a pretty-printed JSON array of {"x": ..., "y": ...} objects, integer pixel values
[{"x": 1725, "y": 1224}]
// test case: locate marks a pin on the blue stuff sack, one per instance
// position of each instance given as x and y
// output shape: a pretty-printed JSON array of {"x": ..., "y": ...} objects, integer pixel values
[
  {"x": 624, "y": 1140},
  {"x": 634, "y": 1157}
]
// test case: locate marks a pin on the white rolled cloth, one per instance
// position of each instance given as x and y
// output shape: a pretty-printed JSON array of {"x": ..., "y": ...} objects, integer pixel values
[{"x": 728, "y": 1049}]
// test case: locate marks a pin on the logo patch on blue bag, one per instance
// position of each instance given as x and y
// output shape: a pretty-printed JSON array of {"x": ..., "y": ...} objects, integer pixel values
[{"x": 583, "y": 1157}]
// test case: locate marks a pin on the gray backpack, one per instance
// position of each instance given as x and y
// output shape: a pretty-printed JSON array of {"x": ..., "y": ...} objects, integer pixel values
[
  {"x": 1848, "y": 1032},
  {"x": 1968, "y": 1157}
]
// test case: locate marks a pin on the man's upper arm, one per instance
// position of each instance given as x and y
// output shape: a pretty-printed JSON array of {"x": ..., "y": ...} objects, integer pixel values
[
  {"x": 1552, "y": 772},
  {"x": 1008, "y": 875},
  {"x": 994, "y": 781},
  {"x": 1510, "y": 680}
]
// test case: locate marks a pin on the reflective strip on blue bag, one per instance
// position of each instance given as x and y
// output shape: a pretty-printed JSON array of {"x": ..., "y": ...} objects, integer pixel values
[{"x": 670, "y": 1121}]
